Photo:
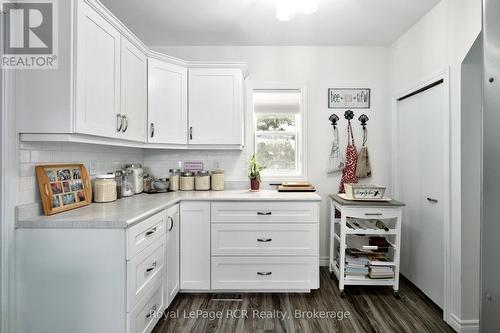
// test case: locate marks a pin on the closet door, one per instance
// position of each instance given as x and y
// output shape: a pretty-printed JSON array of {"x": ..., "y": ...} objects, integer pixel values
[
  {"x": 421, "y": 169},
  {"x": 97, "y": 74}
]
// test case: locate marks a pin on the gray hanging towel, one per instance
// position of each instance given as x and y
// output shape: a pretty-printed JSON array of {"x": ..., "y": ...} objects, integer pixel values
[
  {"x": 336, "y": 159},
  {"x": 363, "y": 167}
]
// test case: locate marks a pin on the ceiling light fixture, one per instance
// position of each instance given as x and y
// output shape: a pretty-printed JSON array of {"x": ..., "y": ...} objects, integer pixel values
[{"x": 286, "y": 9}]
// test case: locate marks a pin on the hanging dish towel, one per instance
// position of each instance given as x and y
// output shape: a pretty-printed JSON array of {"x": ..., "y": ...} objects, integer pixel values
[
  {"x": 363, "y": 167},
  {"x": 349, "y": 173},
  {"x": 336, "y": 159}
]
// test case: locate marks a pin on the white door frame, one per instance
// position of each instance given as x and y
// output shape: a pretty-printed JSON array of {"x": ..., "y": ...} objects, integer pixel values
[{"x": 445, "y": 76}]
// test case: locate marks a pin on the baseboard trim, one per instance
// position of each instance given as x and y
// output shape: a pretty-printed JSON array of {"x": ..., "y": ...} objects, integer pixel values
[
  {"x": 459, "y": 325},
  {"x": 324, "y": 261}
]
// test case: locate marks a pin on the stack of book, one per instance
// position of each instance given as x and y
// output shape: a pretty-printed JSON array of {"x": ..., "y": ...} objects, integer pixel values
[
  {"x": 381, "y": 272},
  {"x": 355, "y": 265}
]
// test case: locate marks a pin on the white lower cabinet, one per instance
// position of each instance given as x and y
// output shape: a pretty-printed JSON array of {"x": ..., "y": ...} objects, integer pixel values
[
  {"x": 148, "y": 311},
  {"x": 173, "y": 255},
  {"x": 195, "y": 245}
]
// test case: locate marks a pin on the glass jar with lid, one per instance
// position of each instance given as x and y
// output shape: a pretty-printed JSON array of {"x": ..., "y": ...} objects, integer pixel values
[
  {"x": 175, "y": 175},
  {"x": 218, "y": 180},
  {"x": 119, "y": 181},
  {"x": 137, "y": 177},
  {"x": 202, "y": 181},
  {"x": 147, "y": 183},
  {"x": 187, "y": 181},
  {"x": 127, "y": 185},
  {"x": 105, "y": 188}
]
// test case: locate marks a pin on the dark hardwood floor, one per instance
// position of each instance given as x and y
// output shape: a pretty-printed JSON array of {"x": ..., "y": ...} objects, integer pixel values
[{"x": 370, "y": 309}]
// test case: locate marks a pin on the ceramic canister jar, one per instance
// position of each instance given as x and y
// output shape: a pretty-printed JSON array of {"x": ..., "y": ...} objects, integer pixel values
[
  {"x": 202, "y": 181},
  {"x": 218, "y": 180},
  {"x": 187, "y": 181}
]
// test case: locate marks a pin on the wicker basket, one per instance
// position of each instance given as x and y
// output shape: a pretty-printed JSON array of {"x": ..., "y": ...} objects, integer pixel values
[{"x": 364, "y": 192}]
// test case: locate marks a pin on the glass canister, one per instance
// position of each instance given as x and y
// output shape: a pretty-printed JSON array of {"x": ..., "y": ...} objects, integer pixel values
[
  {"x": 147, "y": 183},
  {"x": 186, "y": 181},
  {"x": 127, "y": 185},
  {"x": 137, "y": 177},
  {"x": 105, "y": 188},
  {"x": 119, "y": 181},
  {"x": 218, "y": 180},
  {"x": 175, "y": 175},
  {"x": 202, "y": 181}
]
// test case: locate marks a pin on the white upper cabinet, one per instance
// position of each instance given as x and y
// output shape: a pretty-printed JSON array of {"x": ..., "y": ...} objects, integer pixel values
[
  {"x": 134, "y": 98},
  {"x": 215, "y": 106},
  {"x": 167, "y": 103},
  {"x": 97, "y": 74}
]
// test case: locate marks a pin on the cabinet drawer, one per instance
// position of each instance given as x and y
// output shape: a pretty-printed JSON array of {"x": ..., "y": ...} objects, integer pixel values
[
  {"x": 147, "y": 312},
  {"x": 263, "y": 211},
  {"x": 143, "y": 270},
  {"x": 145, "y": 233},
  {"x": 265, "y": 273},
  {"x": 264, "y": 239},
  {"x": 372, "y": 213}
]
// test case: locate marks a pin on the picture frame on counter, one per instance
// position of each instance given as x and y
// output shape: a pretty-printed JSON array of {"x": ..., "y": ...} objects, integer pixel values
[
  {"x": 349, "y": 98},
  {"x": 63, "y": 187}
]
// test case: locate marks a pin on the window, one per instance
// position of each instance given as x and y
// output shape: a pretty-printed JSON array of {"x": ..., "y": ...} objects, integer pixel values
[{"x": 279, "y": 132}]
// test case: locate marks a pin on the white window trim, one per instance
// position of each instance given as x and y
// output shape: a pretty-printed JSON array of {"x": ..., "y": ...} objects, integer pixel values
[{"x": 301, "y": 136}]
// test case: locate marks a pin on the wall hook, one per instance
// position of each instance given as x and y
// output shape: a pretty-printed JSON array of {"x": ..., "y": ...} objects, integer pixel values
[
  {"x": 363, "y": 119},
  {"x": 334, "y": 119},
  {"x": 349, "y": 115}
]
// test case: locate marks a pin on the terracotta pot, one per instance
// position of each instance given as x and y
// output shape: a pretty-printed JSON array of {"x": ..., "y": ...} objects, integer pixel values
[{"x": 254, "y": 184}]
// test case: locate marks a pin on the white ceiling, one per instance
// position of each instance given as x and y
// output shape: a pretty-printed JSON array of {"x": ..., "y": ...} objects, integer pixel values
[{"x": 253, "y": 22}]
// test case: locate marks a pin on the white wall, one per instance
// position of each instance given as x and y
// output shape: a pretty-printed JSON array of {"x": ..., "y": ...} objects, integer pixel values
[
  {"x": 439, "y": 41},
  {"x": 318, "y": 68}
]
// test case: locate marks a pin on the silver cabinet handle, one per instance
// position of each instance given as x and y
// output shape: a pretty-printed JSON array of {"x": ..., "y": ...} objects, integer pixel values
[
  {"x": 432, "y": 200},
  {"x": 151, "y": 311},
  {"x": 264, "y": 240},
  {"x": 126, "y": 124},
  {"x": 153, "y": 266},
  {"x": 152, "y": 126},
  {"x": 171, "y": 221},
  {"x": 373, "y": 214},
  {"x": 119, "y": 122},
  {"x": 191, "y": 133},
  {"x": 264, "y": 273},
  {"x": 150, "y": 232},
  {"x": 264, "y": 213}
]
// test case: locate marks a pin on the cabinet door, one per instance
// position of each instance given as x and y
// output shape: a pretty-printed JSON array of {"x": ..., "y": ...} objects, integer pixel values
[
  {"x": 215, "y": 106},
  {"x": 167, "y": 103},
  {"x": 134, "y": 98},
  {"x": 195, "y": 245},
  {"x": 173, "y": 254},
  {"x": 97, "y": 74}
]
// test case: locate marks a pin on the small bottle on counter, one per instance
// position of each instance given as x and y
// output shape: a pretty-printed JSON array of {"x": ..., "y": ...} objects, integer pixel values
[
  {"x": 202, "y": 181},
  {"x": 105, "y": 188},
  {"x": 174, "y": 179},
  {"x": 218, "y": 180},
  {"x": 119, "y": 182},
  {"x": 147, "y": 183},
  {"x": 187, "y": 181}
]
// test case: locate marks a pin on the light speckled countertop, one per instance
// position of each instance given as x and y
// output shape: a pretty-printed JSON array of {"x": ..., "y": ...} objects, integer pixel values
[{"x": 125, "y": 212}]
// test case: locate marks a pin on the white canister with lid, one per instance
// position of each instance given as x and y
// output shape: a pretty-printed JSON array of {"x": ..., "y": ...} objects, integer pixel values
[
  {"x": 202, "y": 181},
  {"x": 175, "y": 174},
  {"x": 137, "y": 177},
  {"x": 187, "y": 181},
  {"x": 105, "y": 188},
  {"x": 218, "y": 180}
]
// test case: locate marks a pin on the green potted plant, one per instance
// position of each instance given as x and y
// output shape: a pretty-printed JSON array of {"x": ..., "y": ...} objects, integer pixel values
[{"x": 254, "y": 169}]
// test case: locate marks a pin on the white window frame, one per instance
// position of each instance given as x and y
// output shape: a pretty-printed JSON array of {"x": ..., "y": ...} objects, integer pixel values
[{"x": 301, "y": 174}]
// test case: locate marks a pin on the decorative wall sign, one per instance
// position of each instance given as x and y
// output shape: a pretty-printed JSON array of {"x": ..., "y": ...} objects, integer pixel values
[
  {"x": 349, "y": 98},
  {"x": 63, "y": 187}
]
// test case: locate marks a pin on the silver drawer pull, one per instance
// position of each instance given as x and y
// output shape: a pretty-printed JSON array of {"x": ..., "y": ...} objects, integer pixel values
[
  {"x": 432, "y": 200},
  {"x": 264, "y": 213},
  {"x": 373, "y": 214},
  {"x": 150, "y": 232},
  {"x": 264, "y": 240},
  {"x": 151, "y": 311},
  {"x": 153, "y": 266},
  {"x": 264, "y": 273}
]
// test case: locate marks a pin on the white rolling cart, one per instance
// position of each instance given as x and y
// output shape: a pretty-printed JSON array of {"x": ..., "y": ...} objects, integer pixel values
[{"x": 356, "y": 224}]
